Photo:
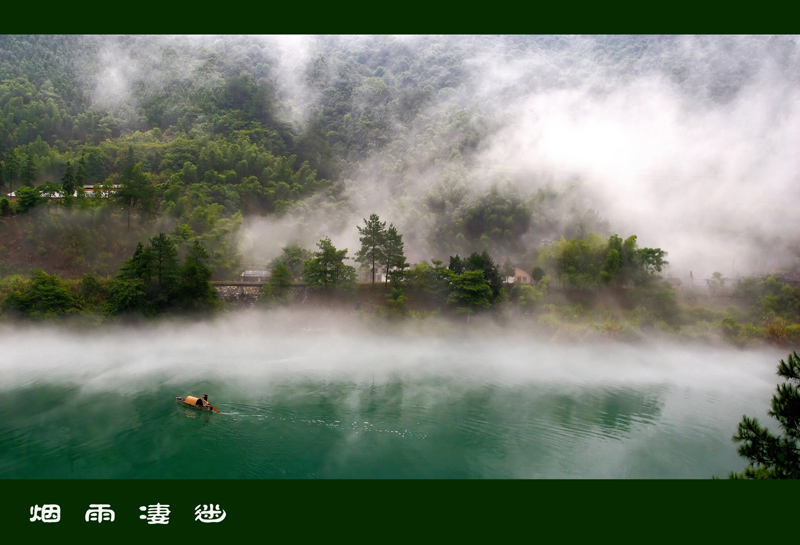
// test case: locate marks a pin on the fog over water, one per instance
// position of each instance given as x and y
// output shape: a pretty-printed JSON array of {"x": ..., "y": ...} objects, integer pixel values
[
  {"x": 323, "y": 345},
  {"x": 688, "y": 142},
  {"x": 316, "y": 395}
]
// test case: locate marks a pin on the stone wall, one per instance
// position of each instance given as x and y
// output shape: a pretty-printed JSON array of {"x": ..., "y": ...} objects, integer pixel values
[
  {"x": 238, "y": 296},
  {"x": 247, "y": 296}
]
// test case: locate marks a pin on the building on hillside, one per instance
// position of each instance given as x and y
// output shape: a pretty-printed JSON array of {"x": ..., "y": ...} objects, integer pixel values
[
  {"x": 89, "y": 189},
  {"x": 520, "y": 277},
  {"x": 57, "y": 196}
]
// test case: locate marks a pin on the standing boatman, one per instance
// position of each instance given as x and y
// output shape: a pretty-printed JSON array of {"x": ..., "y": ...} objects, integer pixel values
[{"x": 205, "y": 398}]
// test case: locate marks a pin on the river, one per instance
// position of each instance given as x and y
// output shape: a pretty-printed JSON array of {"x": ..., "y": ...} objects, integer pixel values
[{"x": 316, "y": 396}]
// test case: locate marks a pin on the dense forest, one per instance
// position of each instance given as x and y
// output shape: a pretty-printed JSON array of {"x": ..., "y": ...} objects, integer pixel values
[{"x": 137, "y": 169}]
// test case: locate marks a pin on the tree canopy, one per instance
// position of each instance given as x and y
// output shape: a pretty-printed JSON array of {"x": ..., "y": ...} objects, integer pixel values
[
  {"x": 589, "y": 263},
  {"x": 373, "y": 241},
  {"x": 394, "y": 259},
  {"x": 153, "y": 281},
  {"x": 327, "y": 270}
]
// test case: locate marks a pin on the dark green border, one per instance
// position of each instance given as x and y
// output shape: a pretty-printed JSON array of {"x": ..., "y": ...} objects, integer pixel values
[
  {"x": 501, "y": 510},
  {"x": 408, "y": 18}
]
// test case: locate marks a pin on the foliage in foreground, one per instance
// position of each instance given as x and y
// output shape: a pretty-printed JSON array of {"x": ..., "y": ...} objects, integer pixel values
[{"x": 774, "y": 456}]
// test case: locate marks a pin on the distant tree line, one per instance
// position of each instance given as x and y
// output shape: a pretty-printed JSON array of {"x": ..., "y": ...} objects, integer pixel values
[
  {"x": 589, "y": 263},
  {"x": 151, "y": 282},
  {"x": 466, "y": 285}
]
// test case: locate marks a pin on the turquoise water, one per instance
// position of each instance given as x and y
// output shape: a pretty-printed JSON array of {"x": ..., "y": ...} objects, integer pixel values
[{"x": 330, "y": 402}]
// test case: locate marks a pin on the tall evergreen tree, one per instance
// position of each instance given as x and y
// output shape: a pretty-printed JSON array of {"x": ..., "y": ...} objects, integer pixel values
[
  {"x": 10, "y": 169},
  {"x": 139, "y": 266},
  {"x": 153, "y": 281},
  {"x": 80, "y": 178},
  {"x": 137, "y": 192},
  {"x": 456, "y": 264},
  {"x": 68, "y": 183},
  {"x": 28, "y": 175},
  {"x": 127, "y": 163},
  {"x": 394, "y": 259},
  {"x": 372, "y": 254},
  {"x": 194, "y": 290},
  {"x": 166, "y": 269},
  {"x": 129, "y": 292},
  {"x": 80, "y": 174}
]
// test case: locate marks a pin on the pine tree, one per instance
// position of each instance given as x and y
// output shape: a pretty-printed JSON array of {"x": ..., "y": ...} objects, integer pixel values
[
  {"x": 129, "y": 290},
  {"x": 137, "y": 192},
  {"x": 371, "y": 255},
  {"x": 770, "y": 456},
  {"x": 394, "y": 260},
  {"x": 80, "y": 174},
  {"x": 80, "y": 178},
  {"x": 29, "y": 172},
  {"x": 456, "y": 264},
  {"x": 68, "y": 183},
  {"x": 139, "y": 266},
  {"x": 166, "y": 270},
  {"x": 194, "y": 289},
  {"x": 10, "y": 168}
]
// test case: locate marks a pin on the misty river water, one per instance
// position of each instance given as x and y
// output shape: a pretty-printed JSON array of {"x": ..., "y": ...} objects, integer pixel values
[{"x": 318, "y": 396}]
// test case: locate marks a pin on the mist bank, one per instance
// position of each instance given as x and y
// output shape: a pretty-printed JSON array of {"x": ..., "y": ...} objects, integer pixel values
[
  {"x": 255, "y": 349},
  {"x": 321, "y": 394}
]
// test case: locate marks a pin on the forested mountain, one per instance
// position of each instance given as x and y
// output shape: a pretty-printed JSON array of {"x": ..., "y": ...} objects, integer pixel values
[{"x": 310, "y": 134}]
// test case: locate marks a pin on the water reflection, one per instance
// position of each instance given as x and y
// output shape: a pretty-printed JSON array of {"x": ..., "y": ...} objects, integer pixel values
[{"x": 316, "y": 408}]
